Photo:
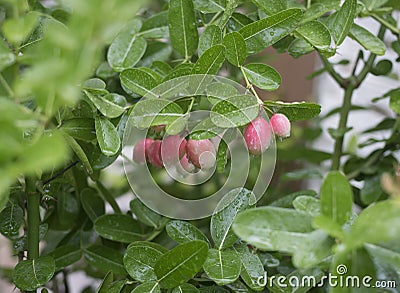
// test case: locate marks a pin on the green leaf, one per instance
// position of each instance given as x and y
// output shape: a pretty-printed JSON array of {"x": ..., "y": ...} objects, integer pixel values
[
  {"x": 331, "y": 227},
  {"x": 137, "y": 81},
  {"x": 211, "y": 61},
  {"x": 395, "y": 101},
  {"x": 183, "y": 232},
  {"x": 156, "y": 51},
  {"x": 66, "y": 255},
  {"x": 92, "y": 203},
  {"x": 211, "y": 36},
  {"x": 28, "y": 275},
  {"x": 368, "y": 40},
  {"x": 373, "y": 4},
  {"x": 236, "y": 50},
  {"x": 106, "y": 282},
  {"x": 222, "y": 156},
  {"x": 272, "y": 6},
  {"x": 308, "y": 204},
  {"x": 7, "y": 57},
  {"x": 252, "y": 267},
  {"x": 186, "y": 288},
  {"x": 263, "y": 76},
  {"x": 67, "y": 208},
  {"x": 80, "y": 128},
  {"x": 295, "y": 111},
  {"x": 151, "y": 112},
  {"x": 299, "y": 47},
  {"x": 272, "y": 228},
  {"x": 341, "y": 21},
  {"x": 127, "y": 48},
  {"x": 383, "y": 67},
  {"x": 222, "y": 266},
  {"x": 209, "y": 6},
  {"x": 182, "y": 27},
  {"x": 378, "y": 223},
  {"x": 205, "y": 129},
  {"x": 233, "y": 203},
  {"x": 17, "y": 29},
  {"x": 107, "y": 136},
  {"x": 148, "y": 287},
  {"x": 318, "y": 35},
  {"x": 140, "y": 259},
  {"x": 11, "y": 219},
  {"x": 155, "y": 26},
  {"x": 318, "y": 9},
  {"x": 235, "y": 111},
  {"x": 80, "y": 153},
  {"x": 110, "y": 105},
  {"x": 384, "y": 254},
  {"x": 105, "y": 259},
  {"x": 180, "y": 70},
  {"x": 146, "y": 215},
  {"x": 336, "y": 197},
  {"x": 118, "y": 227},
  {"x": 181, "y": 263},
  {"x": 372, "y": 189},
  {"x": 266, "y": 32}
]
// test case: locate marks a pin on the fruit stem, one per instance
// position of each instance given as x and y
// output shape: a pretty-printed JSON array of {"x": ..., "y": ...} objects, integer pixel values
[
  {"x": 250, "y": 86},
  {"x": 33, "y": 198}
]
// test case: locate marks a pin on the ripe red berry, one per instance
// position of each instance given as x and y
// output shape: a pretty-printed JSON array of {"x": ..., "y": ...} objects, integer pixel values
[
  {"x": 186, "y": 165},
  {"x": 172, "y": 149},
  {"x": 201, "y": 153},
  {"x": 154, "y": 154},
  {"x": 280, "y": 125},
  {"x": 141, "y": 150},
  {"x": 257, "y": 136}
]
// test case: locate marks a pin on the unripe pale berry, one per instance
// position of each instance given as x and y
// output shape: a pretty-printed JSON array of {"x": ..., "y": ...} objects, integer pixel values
[
  {"x": 186, "y": 165},
  {"x": 257, "y": 136},
  {"x": 173, "y": 148},
  {"x": 154, "y": 154},
  {"x": 201, "y": 153},
  {"x": 280, "y": 125},
  {"x": 141, "y": 150}
]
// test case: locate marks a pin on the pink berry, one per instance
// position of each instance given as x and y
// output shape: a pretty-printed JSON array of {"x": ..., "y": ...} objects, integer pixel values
[
  {"x": 141, "y": 150},
  {"x": 257, "y": 136},
  {"x": 186, "y": 165},
  {"x": 280, "y": 125},
  {"x": 154, "y": 154},
  {"x": 201, "y": 153},
  {"x": 172, "y": 149}
]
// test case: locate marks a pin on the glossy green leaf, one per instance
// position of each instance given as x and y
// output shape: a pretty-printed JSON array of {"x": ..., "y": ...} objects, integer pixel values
[
  {"x": 318, "y": 35},
  {"x": 252, "y": 267},
  {"x": 11, "y": 219},
  {"x": 66, "y": 255},
  {"x": 273, "y": 228},
  {"x": 106, "y": 283},
  {"x": 341, "y": 21},
  {"x": 299, "y": 47},
  {"x": 183, "y": 232},
  {"x": 211, "y": 36},
  {"x": 308, "y": 204},
  {"x": 263, "y": 76},
  {"x": 92, "y": 203},
  {"x": 67, "y": 208},
  {"x": 236, "y": 50},
  {"x": 186, "y": 288},
  {"x": 182, "y": 27},
  {"x": 384, "y": 254},
  {"x": 140, "y": 259},
  {"x": 80, "y": 153},
  {"x": 222, "y": 156},
  {"x": 155, "y": 26},
  {"x": 382, "y": 67},
  {"x": 372, "y": 190},
  {"x": 180, "y": 264},
  {"x": 265, "y": 32},
  {"x": 156, "y": 51},
  {"x": 211, "y": 61},
  {"x": 295, "y": 111},
  {"x": 180, "y": 70},
  {"x": 209, "y": 6},
  {"x": 235, "y": 111},
  {"x": 137, "y": 81},
  {"x": 318, "y": 9},
  {"x": 118, "y": 227},
  {"x": 395, "y": 100},
  {"x": 205, "y": 129},
  {"x": 373, "y": 4},
  {"x": 152, "y": 112},
  {"x": 127, "y": 48},
  {"x": 107, "y": 136},
  {"x": 28, "y": 275},
  {"x": 148, "y": 287},
  {"x": 146, "y": 215},
  {"x": 80, "y": 128},
  {"x": 368, "y": 40},
  {"x": 222, "y": 266},
  {"x": 367, "y": 229},
  {"x": 336, "y": 197},
  {"x": 110, "y": 105},
  {"x": 105, "y": 259},
  {"x": 232, "y": 204}
]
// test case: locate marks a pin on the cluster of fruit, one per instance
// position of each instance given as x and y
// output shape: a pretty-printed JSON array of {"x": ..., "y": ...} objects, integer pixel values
[{"x": 201, "y": 154}]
